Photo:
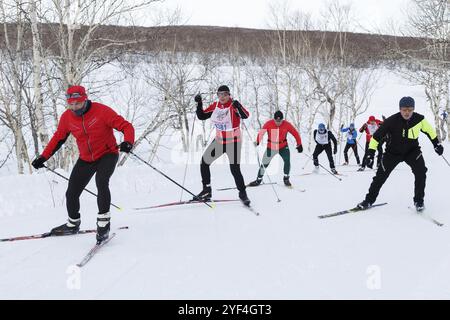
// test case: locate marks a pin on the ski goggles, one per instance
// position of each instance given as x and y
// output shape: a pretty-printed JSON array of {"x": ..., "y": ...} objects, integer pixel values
[
  {"x": 74, "y": 95},
  {"x": 223, "y": 93}
]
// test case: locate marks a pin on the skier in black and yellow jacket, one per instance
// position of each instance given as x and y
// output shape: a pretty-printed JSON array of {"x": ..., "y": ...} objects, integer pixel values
[{"x": 402, "y": 132}]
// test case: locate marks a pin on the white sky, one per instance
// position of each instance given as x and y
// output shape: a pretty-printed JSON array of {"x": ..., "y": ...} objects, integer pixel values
[{"x": 371, "y": 14}]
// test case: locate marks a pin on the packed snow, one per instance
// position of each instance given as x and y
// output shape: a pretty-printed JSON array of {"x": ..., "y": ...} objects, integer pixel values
[{"x": 194, "y": 252}]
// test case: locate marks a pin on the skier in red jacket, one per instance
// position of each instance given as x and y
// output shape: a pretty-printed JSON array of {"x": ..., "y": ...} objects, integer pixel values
[
  {"x": 370, "y": 127},
  {"x": 226, "y": 115},
  {"x": 277, "y": 130},
  {"x": 92, "y": 125}
]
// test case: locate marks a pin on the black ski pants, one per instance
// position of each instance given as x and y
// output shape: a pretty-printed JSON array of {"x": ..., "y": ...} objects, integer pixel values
[
  {"x": 216, "y": 150},
  {"x": 414, "y": 159},
  {"x": 318, "y": 150},
  {"x": 81, "y": 174}
]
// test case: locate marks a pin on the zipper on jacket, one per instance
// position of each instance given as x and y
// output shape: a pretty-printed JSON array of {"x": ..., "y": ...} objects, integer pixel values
[{"x": 85, "y": 132}]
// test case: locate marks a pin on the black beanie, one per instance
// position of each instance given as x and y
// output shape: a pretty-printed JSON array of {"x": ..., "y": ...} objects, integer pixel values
[
  {"x": 278, "y": 115},
  {"x": 406, "y": 102},
  {"x": 223, "y": 89}
]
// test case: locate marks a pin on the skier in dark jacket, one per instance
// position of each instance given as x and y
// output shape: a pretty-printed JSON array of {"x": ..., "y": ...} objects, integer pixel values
[
  {"x": 92, "y": 125},
  {"x": 323, "y": 138},
  {"x": 403, "y": 129}
]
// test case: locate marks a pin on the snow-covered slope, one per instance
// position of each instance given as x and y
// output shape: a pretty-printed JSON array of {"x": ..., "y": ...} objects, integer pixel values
[{"x": 193, "y": 252}]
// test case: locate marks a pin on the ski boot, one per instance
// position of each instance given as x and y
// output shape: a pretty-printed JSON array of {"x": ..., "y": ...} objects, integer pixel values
[
  {"x": 345, "y": 163},
  {"x": 244, "y": 198},
  {"x": 333, "y": 170},
  {"x": 72, "y": 226},
  {"x": 364, "y": 205},
  {"x": 316, "y": 169},
  {"x": 205, "y": 195},
  {"x": 255, "y": 183},
  {"x": 361, "y": 169},
  {"x": 286, "y": 181},
  {"x": 419, "y": 205},
  {"x": 103, "y": 226}
]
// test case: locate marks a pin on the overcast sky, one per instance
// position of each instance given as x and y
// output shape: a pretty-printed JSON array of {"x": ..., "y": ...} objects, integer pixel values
[{"x": 371, "y": 14}]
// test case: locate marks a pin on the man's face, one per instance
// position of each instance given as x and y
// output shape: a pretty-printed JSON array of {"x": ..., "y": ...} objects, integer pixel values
[
  {"x": 224, "y": 97},
  {"x": 278, "y": 122},
  {"x": 406, "y": 112},
  {"x": 76, "y": 105}
]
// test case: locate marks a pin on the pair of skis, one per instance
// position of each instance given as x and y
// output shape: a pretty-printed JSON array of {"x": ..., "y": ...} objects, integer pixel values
[
  {"x": 262, "y": 184},
  {"x": 86, "y": 258},
  {"x": 179, "y": 203},
  {"x": 356, "y": 209}
]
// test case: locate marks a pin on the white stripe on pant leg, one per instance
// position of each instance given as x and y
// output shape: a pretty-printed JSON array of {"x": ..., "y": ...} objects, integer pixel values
[
  {"x": 103, "y": 219},
  {"x": 72, "y": 222}
]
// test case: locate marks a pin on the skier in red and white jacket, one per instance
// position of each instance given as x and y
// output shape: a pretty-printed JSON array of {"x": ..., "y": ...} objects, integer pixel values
[
  {"x": 226, "y": 115},
  {"x": 370, "y": 127},
  {"x": 92, "y": 124}
]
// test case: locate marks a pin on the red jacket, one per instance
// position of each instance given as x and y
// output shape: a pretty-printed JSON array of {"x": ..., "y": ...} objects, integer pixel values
[
  {"x": 225, "y": 135},
  {"x": 93, "y": 132},
  {"x": 367, "y": 127},
  {"x": 277, "y": 135}
]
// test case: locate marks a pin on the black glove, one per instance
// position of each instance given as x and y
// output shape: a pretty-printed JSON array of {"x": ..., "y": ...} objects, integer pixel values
[
  {"x": 370, "y": 158},
  {"x": 198, "y": 98},
  {"x": 126, "y": 146},
  {"x": 342, "y": 126},
  {"x": 237, "y": 104},
  {"x": 256, "y": 143},
  {"x": 335, "y": 150},
  {"x": 439, "y": 149},
  {"x": 38, "y": 162},
  {"x": 299, "y": 148}
]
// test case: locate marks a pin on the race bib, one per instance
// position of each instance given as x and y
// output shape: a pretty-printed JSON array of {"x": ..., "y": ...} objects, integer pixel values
[
  {"x": 349, "y": 136},
  {"x": 221, "y": 119},
  {"x": 372, "y": 128},
  {"x": 322, "y": 138}
]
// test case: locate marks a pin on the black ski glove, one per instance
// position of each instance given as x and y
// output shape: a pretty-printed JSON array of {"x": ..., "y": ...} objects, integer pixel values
[
  {"x": 198, "y": 98},
  {"x": 335, "y": 150},
  {"x": 370, "y": 158},
  {"x": 238, "y": 106},
  {"x": 439, "y": 149},
  {"x": 126, "y": 146},
  {"x": 299, "y": 148},
  {"x": 38, "y": 162}
]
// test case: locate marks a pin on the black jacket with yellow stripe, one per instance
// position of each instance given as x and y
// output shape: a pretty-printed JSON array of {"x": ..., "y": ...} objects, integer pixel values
[{"x": 402, "y": 135}]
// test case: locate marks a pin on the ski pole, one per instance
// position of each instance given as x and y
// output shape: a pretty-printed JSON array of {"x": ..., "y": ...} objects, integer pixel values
[
  {"x": 60, "y": 175},
  {"x": 259, "y": 162},
  {"x": 169, "y": 178},
  {"x": 445, "y": 160},
  {"x": 185, "y": 168},
  {"x": 325, "y": 168}
]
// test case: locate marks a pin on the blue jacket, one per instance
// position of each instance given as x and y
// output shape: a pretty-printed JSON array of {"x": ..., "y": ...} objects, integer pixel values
[{"x": 351, "y": 135}]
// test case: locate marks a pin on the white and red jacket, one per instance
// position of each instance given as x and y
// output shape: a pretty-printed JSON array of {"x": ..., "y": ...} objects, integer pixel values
[
  {"x": 278, "y": 135},
  {"x": 93, "y": 132},
  {"x": 370, "y": 128},
  {"x": 226, "y": 118}
]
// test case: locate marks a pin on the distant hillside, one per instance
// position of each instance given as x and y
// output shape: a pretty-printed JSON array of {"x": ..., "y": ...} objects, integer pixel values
[{"x": 365, "y": 48}]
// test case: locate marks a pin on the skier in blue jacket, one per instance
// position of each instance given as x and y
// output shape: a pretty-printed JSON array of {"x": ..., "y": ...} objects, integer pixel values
[{"x": 351, "y": 142}]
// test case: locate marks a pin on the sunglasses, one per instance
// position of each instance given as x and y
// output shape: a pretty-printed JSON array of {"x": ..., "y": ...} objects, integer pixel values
[
  {"x": 223, "y": 94},
  {"x": 73, "y": 95}
]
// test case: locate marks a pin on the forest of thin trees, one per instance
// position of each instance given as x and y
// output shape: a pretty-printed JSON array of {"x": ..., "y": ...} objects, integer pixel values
[{"x": 152, "y": 74}]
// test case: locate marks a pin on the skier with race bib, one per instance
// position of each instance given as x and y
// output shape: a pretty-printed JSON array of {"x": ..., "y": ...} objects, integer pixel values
[
  {"x": 323, "y": 138},
  {"x": 225, "y": 115},
  {"x": 370, "y": 127}
]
